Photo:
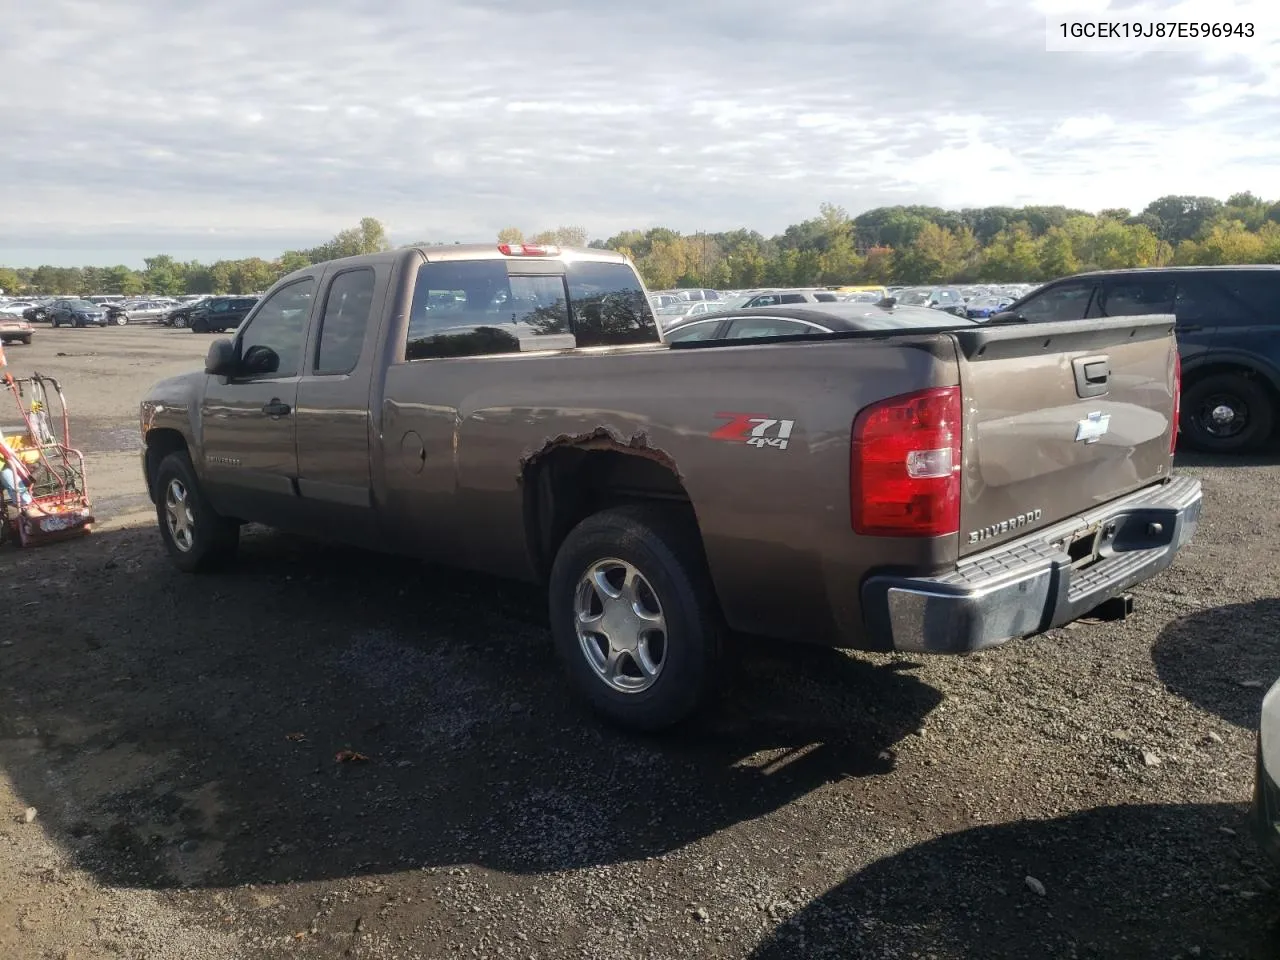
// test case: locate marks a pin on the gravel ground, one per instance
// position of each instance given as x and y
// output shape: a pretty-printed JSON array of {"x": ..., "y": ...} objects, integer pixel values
[{"x": 1078, "y": 795}]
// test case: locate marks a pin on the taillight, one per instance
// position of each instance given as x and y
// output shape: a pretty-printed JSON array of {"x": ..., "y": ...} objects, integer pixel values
[
  {"x": 528, "y": 250},
  {"x": 1177, "y": 401},
  {"x": 905, "y": 465}
]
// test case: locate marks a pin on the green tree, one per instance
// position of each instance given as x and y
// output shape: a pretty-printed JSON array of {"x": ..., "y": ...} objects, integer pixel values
[
  {"x": 511, "y": 235},
  {"x": 10, "y": 282},
  {"x": 369, "y": 237}
]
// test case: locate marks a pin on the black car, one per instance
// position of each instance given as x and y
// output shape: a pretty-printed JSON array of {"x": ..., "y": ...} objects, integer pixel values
[
  {"x": 37, "y": 312},
  {"x": 1228, "y": 329},
  {"x": 77, "y": 313},
  {"x": 752, "y": 323},
  {"x": 219, "y": 314}
]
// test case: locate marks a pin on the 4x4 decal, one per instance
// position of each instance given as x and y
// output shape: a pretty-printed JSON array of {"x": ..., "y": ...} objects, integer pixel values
[{"x": 755, "y": 430}]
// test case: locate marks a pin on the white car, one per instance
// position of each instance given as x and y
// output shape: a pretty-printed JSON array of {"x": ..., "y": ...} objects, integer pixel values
[
  {"x": 1266, "y": 787},
  {"x": 14, "y": 308}
]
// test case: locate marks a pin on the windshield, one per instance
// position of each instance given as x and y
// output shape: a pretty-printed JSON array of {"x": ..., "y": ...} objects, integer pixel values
[
  {"x": 913, "y": 298},
  {"x": 673, "y": 310},
  {"x": 81, "y": 305}
]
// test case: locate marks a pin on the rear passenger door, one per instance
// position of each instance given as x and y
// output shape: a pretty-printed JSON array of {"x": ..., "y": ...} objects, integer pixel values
[
  {"x": 333, "y": 403},
  {"x": 1223, "y": 313}
]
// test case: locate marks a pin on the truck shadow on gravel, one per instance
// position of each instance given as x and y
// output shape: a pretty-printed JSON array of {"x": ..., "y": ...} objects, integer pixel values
[
  {"x": 1125, "y": 882},
  {"x": 1223, "y": 659},
  {"x": 319, "y": 713}
]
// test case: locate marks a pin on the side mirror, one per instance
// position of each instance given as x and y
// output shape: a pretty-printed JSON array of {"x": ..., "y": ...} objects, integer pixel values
[
  {"x": 221, "y": 360},
  {"x": 1007, "y": 316}
]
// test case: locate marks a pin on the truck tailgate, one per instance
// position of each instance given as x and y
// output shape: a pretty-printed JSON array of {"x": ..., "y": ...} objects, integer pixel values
[{"x": 1060, "y": 417}]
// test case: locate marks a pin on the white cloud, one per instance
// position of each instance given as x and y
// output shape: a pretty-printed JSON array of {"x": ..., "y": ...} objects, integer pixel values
[{"x": 277, "y": 124}]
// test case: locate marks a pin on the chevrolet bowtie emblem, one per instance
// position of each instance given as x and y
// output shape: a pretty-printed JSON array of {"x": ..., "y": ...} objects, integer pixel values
[{"x": 1092, "y": 428}]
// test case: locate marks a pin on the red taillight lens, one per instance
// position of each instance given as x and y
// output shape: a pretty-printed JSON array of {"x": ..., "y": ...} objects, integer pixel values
[
  {"x": 1177, "y": 401},
  {"x": 905, "y": 465}
]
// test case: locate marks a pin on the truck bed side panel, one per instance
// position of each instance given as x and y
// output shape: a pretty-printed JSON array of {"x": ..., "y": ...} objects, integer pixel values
[{"x": 774, "y": 518}]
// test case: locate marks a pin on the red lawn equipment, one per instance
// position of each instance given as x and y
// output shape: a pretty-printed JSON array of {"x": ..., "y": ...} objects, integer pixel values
[{"x": 53, "y": 501}]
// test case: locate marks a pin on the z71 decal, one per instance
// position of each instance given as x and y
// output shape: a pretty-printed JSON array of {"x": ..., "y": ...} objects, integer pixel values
[{"x": 754, "y": 430}]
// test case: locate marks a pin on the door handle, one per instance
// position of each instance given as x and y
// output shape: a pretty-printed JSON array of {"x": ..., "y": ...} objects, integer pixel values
[
  {"x": 277, "y": 408},
  {"x": 1092, "y": 375}
]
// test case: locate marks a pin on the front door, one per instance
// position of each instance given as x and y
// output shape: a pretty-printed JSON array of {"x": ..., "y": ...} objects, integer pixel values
[
  {"x": 333, "y": 406},
  {"x": 249, "y": 445}
]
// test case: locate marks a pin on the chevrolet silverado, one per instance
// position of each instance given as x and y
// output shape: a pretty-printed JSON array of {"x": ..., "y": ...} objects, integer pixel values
[{"x": 513, "y": 409}]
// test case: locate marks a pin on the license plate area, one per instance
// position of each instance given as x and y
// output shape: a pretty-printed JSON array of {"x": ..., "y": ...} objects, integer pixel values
[{"x": 1083, "y": 548}]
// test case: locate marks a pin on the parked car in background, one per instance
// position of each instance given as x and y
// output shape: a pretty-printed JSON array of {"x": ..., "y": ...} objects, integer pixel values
[
  {"x": 804, "y": 319},
  {"x": 938, "y": 298},
  {"x": 1228, "y": 328},
  {"x": 666, "y": 316},
  {"x": 775, "y": 298},
  {"x": 136, "y": 310},
  {"x": 981, "y": 308},
  {"x": 14, "y": 330},
  {"x": 37, "y": 312},
  {"x": 14, "y": 308},
  {"x": 220, "y": 314},
  {"x": 77, "y": 313},
  {"x": 657, "y": 300}
]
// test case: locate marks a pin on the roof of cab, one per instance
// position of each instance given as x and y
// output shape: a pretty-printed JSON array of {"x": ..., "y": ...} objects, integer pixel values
[{"x": 456, "y": 251}]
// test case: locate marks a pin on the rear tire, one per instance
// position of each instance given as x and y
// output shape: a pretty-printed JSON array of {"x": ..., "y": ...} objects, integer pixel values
[
  {"x": 671, "y": 671},
  {"x": 197, "y": 537},
  {"x": 27, "y": 340},
  {"x": 1226, "y": 413}
]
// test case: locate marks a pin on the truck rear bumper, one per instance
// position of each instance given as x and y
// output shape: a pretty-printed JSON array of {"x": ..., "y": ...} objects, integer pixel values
[{"x": 1029, "y": 585}]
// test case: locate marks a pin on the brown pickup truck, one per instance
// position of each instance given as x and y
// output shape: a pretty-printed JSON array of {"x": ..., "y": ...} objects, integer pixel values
[{"x": 513, "y": 409}]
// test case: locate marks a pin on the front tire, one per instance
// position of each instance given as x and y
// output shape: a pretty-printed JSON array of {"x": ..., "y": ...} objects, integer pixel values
[
  {"x": 27, "y": 340},
  {"x": 1226, "y": 413},
  {"x": 179, "y": 322},
  {"x": 197, "y": 537},
  {"x": 121, "y": 320},
  {"x": 635, "y": 618}
]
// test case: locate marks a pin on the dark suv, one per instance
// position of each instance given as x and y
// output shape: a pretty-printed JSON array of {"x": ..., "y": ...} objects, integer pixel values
[
  {"x": 1228, "y": 328},
  {"x": 219, "y": 314}
]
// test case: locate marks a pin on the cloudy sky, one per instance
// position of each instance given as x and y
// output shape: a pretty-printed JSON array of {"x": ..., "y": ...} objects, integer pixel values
[{"x": 244, "y": 127}]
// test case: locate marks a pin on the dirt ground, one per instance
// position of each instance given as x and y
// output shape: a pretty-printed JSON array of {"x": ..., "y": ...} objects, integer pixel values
[{"x": 177, "y": 738}]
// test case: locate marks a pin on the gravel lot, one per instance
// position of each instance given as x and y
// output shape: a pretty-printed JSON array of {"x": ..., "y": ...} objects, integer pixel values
[{"x": 177, "y": 737}]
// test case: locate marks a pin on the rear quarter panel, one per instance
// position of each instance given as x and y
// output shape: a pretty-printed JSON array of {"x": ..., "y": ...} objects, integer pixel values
[{"x": 775, "y": 522}]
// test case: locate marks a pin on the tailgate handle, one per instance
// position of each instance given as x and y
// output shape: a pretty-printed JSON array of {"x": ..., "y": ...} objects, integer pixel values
[{"x": 1092, "y": 375}]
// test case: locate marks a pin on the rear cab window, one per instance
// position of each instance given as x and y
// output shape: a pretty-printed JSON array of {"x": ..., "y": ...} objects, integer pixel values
[{"x": 465, "y": 308}]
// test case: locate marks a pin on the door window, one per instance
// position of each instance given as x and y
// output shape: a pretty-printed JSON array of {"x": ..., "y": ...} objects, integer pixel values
[
  {"x": 343, "y": 324},
  {"x": 1203, "y": 301},
  {"x": 271, "y": 342},
  {"x": 1068, "y": 301},
  {"x": 1133, "y": 298}
]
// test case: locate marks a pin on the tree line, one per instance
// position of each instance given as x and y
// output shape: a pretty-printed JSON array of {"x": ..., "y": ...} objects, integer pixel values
[{"x": 902, "y": 244}]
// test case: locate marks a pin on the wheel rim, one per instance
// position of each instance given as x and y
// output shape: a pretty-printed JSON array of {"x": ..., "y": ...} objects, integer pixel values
[
  {"x": 178, "y": 516},
  {"x": 1223, "y": 416},
  {"x": 121, "y": 321},
  {"x": 620, "y": 625}
]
